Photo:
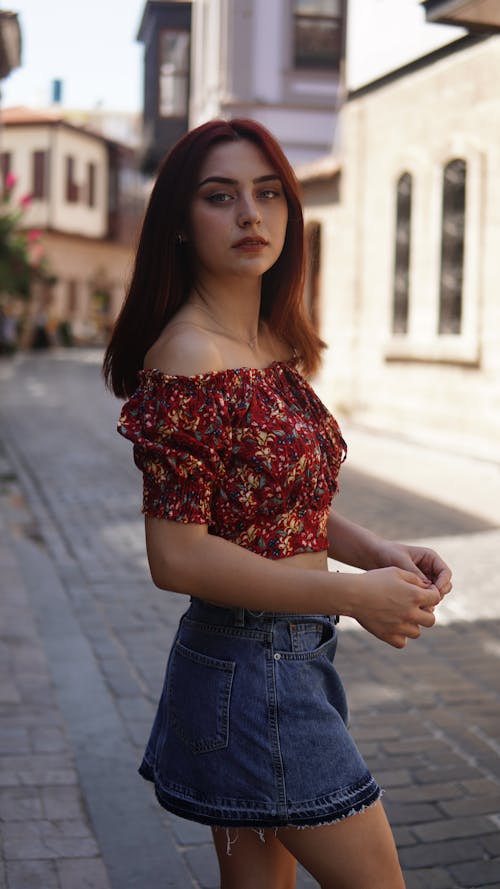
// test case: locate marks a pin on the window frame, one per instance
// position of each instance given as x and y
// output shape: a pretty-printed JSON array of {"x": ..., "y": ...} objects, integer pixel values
[
  {"x": 454, "y": 204},
  {"x": 39, "y": 174},
  {"x": 5, "y": 169},
  {"x": 303, "y": 63},
  {"x": 423, "y": 343},
  {"x": 402, "y": 257},
  {"x": 178, "y": 74},
  {"x": 71, "y": 186},
  {"x": 91, "y": 184}
]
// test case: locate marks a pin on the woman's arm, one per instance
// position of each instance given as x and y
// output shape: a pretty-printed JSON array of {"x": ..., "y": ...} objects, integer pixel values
[
  {"x": 391, "y": 603},
  {"x": 354, "y": 545}
]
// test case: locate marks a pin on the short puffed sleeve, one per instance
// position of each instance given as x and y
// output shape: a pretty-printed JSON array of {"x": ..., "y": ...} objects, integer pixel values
[{"x": 182, "y": 435}]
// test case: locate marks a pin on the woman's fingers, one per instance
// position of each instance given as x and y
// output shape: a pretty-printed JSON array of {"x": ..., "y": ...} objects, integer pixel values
[{"x": 400, "y": 605}]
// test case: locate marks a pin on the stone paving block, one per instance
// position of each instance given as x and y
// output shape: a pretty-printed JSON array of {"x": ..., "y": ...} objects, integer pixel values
[
  {"x": 83, "y": 873},
  {"x": 429, "y": 746},
  {"x": 492, "y": 844},
  {"x": 453, "y": 773},
  {"x": 136, "y": 708},
  {"x": 61, "y": 803},
  {"x": 189, "y": 833},
  {"x": 40, "y": 769},
  {"x": 37, "y": 716},
  {"x": 33, "y": 690},
  {"x": 20, "y": 804},
  {"x": 120, "y": 677},
  {"x": 47, "y": 839},
  {"x": 441, "y": 854},
  {"x": 202, "y": 862},
  {"x": 430, "y": 878},
  {"x": 367, "y": 750},
  {"x": 32, "y": 875},
  {"x": 139, "y": 733},
  {"x": 14, "y": 740},
  {"x": 488, "y": 886},
  {"x": 9, "y": 693},
  {"x": 425, "y": 793},
  {"x": 393, "y": 778},
  {"x": 411, "y": 813},
  {"x": 481, "y": 805},
  {"x": 454, "y": 828},
  {"x": 8, "y": 778},
  {"x": 478, "y": 873},
  {"x": 376, "y": 732},
  {"x": 477, "y": 786},
  {"x": 29, "y": 658},
  {"x": 403, "y": 836},
  {"x": 46, "y": 739},
  {"x": 380, "y": 762}
]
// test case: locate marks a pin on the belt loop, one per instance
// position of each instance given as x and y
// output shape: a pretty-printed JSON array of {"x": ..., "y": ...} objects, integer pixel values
[{"x": 239, "y": 617}]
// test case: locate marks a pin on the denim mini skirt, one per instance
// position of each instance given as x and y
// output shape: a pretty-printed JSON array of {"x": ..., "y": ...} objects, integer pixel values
[{"x": 251, "y": 725}]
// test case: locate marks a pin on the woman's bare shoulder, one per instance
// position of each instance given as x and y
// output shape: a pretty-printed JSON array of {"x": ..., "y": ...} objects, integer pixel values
[{"x": 185, "y": 350}]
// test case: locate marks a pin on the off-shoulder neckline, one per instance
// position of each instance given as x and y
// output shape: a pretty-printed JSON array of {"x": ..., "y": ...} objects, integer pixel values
[{"x": 228, "y": 371}]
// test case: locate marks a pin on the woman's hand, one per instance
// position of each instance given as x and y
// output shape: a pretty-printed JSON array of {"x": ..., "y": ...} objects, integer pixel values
[
  {"x": 420, "y": 560},
  {"x": 395, "y": 604}
]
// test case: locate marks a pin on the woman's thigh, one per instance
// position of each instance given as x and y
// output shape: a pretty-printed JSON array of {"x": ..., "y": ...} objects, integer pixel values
[
  {"x": 248, "y": 862},
  {"x": 356, "y": 853}
]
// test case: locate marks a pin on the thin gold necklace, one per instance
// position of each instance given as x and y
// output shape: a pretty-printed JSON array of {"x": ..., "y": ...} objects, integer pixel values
[{"x": 251, "y": 343}]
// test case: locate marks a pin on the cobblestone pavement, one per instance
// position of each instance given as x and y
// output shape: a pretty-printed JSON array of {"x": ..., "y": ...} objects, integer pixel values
[{"x": 85, "y": 635}]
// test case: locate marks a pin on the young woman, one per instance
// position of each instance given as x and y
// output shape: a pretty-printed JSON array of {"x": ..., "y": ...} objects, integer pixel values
[{"x": 240, "y": 463}]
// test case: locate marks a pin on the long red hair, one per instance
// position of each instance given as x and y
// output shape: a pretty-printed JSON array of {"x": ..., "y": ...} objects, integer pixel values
[{"x": 163, "y": 272}]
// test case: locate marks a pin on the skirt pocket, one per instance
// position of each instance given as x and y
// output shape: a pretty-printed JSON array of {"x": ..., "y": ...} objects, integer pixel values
[{"x": 199, "y": 699}]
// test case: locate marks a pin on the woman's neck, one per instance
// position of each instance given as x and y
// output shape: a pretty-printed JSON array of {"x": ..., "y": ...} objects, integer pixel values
[{"x": 234, "y": 310}]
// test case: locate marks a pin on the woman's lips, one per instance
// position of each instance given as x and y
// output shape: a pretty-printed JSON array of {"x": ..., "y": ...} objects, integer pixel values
[{"x": 251, "y": 243}]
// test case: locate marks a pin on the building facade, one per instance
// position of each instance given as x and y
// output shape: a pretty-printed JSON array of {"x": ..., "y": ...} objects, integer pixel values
[
  {"x": 409, "y": 275},
  {"x": 85, "y": 200},
  {"x": 280, "y": 63}
]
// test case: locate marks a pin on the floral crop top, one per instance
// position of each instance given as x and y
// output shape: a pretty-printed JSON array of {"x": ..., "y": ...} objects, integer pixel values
[{"x": 252, "y": 453}]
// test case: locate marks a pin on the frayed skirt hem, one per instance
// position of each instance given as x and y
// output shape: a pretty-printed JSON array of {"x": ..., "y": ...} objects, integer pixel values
[{"x": 361, "y": 798}]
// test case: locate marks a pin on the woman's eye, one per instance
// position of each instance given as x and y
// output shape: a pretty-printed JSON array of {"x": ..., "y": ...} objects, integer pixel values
[
  {"x": 269, "y": 193},
  {"x": 220, "y": 197}
]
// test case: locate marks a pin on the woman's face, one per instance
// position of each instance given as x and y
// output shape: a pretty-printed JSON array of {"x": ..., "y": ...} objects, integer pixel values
[{"x": 238, "y": 215}]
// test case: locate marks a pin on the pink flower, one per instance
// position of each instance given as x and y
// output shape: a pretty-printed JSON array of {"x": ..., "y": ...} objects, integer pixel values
[
  {"x": 33, "y": 235},
  {"x": 36, "y": 253},
  {"x": 25, "y": 201},
  {"x": 10, "y": 181}
]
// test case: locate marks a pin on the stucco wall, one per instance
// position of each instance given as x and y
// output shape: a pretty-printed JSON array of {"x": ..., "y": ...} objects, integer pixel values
[
  {"x": 91, "y": 265},
  {"x": 444, "y": 388}
]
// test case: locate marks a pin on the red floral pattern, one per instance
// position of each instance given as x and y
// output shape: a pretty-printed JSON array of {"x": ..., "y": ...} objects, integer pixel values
[{"x": 252, "y": 453}]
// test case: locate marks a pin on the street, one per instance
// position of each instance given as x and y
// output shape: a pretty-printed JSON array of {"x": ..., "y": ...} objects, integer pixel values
[{"x": 85, "y": 636}]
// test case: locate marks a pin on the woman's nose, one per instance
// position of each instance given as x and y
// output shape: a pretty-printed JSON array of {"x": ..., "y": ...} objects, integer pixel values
[{"x": 249, "y": 213}]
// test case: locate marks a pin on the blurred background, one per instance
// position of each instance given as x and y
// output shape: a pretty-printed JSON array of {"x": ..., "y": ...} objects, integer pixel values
[{"x": 389, "y": 111}]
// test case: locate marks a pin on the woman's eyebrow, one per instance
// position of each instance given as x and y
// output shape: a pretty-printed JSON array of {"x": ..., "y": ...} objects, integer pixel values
[{"x": 223, "y": 180}]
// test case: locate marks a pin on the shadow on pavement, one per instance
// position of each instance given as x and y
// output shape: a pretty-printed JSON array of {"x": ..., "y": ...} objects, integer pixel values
[{"x": 397, "y": 513}]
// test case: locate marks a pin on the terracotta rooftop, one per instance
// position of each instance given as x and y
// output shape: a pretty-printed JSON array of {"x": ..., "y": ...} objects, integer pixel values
[{"x": 20, "y": 114}]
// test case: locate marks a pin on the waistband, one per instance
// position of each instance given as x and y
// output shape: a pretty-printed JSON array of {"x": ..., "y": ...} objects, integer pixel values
[{"x": 206, "y": 612}]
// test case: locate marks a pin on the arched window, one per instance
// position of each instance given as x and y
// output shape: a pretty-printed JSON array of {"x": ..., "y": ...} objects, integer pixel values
[
  {"x": 401, "y": 294},
  {"x": 313, "y": 266},
  {"x": 452, "y": 247}
]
